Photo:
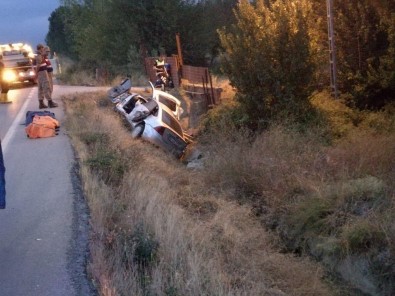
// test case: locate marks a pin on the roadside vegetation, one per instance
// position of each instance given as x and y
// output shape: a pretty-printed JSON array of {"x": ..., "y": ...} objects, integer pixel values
[
  {"x": 296, "y": 194},
  {"x": 247, "y": 223},
  {"x": 327, "y": 191},
  {"x": 159, "y": 228}
]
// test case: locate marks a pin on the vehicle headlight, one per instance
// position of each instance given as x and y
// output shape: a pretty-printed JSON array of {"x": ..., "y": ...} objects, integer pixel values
[{"x": 9, "y": 76}]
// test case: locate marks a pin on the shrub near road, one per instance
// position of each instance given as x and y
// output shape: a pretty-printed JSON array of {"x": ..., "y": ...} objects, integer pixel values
[
  {"x": 334, "y": 203},
  {"x": 328, "y": 191},
  {"x": 161, "y": 229}
]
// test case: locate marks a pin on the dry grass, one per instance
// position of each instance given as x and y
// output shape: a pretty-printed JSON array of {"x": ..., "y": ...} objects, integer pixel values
[
  {"x": 73, "y": 74},
  {"x": 316, "y": 196},
  {"x": 160, "y": 229}
]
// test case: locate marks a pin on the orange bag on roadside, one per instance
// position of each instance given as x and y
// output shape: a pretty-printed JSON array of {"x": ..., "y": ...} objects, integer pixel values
[{"x": 42, "y": 127}]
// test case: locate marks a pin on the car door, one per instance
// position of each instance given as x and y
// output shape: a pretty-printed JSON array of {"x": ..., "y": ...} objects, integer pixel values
[{"x": 169, "y": 101}]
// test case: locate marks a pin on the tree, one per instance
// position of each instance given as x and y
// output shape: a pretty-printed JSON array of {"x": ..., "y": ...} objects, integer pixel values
[
  {"x": 268, "y": 59},
  {"x": 380, "y": 84},
  {"x": 59, "y": 36},
  {"x": 201, "y": 44},
  {"x": 106, "y": 32},
  {"x": 364, "y": 48}
]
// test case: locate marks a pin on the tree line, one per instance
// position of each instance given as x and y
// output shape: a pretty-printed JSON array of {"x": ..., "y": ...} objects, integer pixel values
[
  {"x": 275, "y": 52},
  {"x": 117, "y": 32}
]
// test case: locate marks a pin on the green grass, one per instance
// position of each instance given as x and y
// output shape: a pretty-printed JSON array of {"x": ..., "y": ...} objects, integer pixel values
[{"x": 362, "y": 236}]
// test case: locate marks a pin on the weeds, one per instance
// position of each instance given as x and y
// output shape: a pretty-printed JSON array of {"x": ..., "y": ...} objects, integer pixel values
[
  {"x": 107, "y": 164},
  {"x": 145, "y": 248},
  {"x": 92, "y": 138},
  {"x": 164, "y": 230},
  {"x": 329, "y": 199},
  {"x": 73, "y": 74},
  {"x": 362, "y": 236}
]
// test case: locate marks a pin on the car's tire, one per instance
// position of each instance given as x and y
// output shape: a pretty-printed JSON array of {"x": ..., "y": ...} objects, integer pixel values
[{"x": 138, "y": 131}]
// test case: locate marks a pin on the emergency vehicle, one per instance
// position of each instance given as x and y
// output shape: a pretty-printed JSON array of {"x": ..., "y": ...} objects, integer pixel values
[{"x": 17, "y": 60}]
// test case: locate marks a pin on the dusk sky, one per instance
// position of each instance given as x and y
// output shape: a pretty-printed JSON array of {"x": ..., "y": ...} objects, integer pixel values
[{"x": 25, "y": 20}]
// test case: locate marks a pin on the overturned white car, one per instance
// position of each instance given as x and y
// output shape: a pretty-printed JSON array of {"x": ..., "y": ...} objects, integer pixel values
[{"x": 154, "y": 119}]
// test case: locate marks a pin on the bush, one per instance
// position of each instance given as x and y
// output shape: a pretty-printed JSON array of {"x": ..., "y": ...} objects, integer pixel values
[
  {"x": 341, "y": 119},
  {"x": 226, "y": 117},
  {"x": 107, "y": 164},
  {"x": 362, "y": 235},
  {"x": 382, "y": 121},
  {"x": 270, "y": 68},
  {"x": 333, "y": 202}
]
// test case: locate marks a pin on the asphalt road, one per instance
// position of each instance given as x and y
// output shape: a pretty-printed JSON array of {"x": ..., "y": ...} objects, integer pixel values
[{"x": 44, "y": 229}]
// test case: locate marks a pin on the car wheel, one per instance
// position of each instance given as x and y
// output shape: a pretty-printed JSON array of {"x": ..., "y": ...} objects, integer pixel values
[{"x": 137, "y": 131}]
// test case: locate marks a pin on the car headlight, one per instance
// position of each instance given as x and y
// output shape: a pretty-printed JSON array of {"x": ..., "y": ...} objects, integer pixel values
[{"x": 9, "y": 76}]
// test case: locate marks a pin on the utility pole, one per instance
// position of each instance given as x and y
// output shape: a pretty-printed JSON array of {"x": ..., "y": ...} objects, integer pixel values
[
  {"x": 332, "y": 48},
  {"x": 179, "y": 51}
]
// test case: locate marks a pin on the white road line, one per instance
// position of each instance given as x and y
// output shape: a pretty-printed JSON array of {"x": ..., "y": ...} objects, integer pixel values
[{"x": 17, "y": 121}]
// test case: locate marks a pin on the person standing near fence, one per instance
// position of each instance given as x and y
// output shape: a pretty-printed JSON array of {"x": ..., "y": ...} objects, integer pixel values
[
  {"x": 160, "y": 70},
  {"x": 2, "y": 179}
]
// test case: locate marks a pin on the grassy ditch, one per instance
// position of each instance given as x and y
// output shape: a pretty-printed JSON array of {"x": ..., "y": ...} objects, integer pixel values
[
  {"x": 327, "y": 192},
  {"x": 161, "y": 229}
]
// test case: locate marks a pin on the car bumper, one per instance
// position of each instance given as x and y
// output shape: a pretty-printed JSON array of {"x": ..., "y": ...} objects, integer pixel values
[{"x": 168, "y": 142}]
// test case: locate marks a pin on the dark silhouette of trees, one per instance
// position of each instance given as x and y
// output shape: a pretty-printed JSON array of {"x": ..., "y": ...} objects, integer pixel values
[{"x": 275, "y": 50}]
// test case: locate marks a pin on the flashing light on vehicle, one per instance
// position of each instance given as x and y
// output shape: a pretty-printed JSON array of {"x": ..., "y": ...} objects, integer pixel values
[
  {"x": 9, "y": 76},
  {"x": 27, "y": 74},
  {"x": 26, "y": 48}
]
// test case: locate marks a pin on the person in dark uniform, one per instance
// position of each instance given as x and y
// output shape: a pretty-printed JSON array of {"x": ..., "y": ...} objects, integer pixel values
[
  {"x": 2, "y": 179},
  {"x": 44, "y": 87},
  {"x": 49, "y": 67},
  {"x": 161, "y": 74}
]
